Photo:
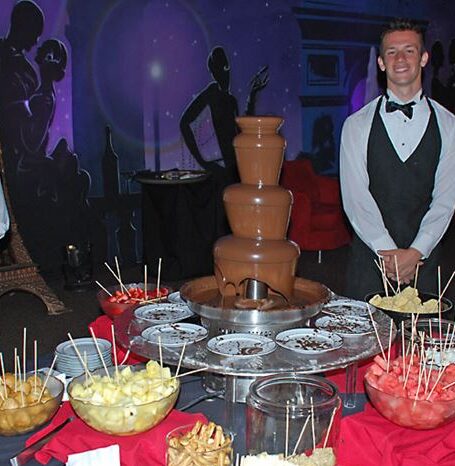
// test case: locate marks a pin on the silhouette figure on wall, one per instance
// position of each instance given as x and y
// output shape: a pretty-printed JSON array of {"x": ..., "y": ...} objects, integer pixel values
[
  {"x": 18, "y": 79},
  {"x": 48, "y": 191},
  {"x": 223, "y": 109}
]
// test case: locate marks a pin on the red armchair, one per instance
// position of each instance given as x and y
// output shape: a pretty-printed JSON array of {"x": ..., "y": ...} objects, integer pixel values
[{"x": 317, "y": 219}]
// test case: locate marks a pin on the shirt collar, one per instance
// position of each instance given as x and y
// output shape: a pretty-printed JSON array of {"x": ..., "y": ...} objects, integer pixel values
[{"x": 417, "y": 98}]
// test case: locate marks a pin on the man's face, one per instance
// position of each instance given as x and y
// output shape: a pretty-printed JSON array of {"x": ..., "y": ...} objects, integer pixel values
[{"x": 402, "y": 59}]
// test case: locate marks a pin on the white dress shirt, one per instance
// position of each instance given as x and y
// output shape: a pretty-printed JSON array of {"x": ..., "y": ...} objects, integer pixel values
[
  {"x": 405, "y": 135},
  {"x": 4, "y": 217}
]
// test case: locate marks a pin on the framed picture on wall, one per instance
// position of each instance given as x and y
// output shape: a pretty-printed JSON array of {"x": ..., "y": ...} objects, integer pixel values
[{"x": 323, "y": 71}]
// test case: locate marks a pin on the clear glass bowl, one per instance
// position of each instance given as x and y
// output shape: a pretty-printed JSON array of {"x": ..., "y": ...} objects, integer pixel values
[
  {"x": 406, "y": 412},
  {"x": 207, "y": 453},
  {"x": 20, "y": 420},
  {"x": 114, "y": 309},
  {"x": 279, "y": 403},
  {"x": 128, "y": 419}
]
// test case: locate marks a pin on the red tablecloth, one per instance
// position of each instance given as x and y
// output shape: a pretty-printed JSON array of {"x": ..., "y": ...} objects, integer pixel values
[
  {"x": 148, "y": 448},
  {"x": 368, "y": 439},
  {"x": 102, "y": 329}
]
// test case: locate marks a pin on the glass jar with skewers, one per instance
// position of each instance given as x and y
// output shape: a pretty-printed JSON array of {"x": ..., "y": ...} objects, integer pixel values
[{"x": 293, "y": 414}]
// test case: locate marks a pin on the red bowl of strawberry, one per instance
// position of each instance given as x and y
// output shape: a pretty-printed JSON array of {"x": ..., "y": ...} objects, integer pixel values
[
  {"x": 417, "y": 404},
  {"x": 132, "y": 297}
]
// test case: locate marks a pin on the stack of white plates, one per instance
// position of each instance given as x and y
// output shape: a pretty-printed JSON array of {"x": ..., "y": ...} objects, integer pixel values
[{"x": 69, "y": 363}]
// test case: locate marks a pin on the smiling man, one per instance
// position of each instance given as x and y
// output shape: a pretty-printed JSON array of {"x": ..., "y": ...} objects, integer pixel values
[{"x": 397, "y": 170}]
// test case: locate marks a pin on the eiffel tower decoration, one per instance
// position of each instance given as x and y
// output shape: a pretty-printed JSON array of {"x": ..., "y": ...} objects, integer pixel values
[{"x": 17, "y": 270}]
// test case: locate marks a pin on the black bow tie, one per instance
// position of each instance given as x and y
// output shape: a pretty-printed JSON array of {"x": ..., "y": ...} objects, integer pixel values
[{"x": 391, "y": 106}]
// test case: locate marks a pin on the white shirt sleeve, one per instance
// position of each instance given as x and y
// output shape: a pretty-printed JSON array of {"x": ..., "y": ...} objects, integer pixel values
[
  {"x": 4, "y": 217},
  {"x": 359, "y": 204},
  {"x": 436, "y": 221}
]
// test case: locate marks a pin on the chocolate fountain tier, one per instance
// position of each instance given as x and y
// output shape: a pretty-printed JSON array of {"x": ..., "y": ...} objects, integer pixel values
[
  {"x": 259, "y": 149},
  {"x": 269, "y": 261},
  {"x": 204, "y": 299},
  {"x": 260, "y": 212}
]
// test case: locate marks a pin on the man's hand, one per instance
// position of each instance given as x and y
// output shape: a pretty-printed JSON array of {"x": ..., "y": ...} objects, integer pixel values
[{"x": 406, "y": 259}]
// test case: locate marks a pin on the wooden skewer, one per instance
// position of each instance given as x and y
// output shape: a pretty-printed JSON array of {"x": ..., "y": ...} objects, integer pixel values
[
  {"x": 441, "y": 372},
  {"x": 396, "y": 273},
  {"x": 84, "y": 365},
  {"x": 20, "y": 380},
  {"x": 422, "y": 364},
  {"x": 160, "y": 350},
  {"x": 15, "y": 369},
  {"x": 35, "y": 363},
  {"x": 114, "y": 350},
  {"x": 125, "y": 357},
  {"x": 122, "y": 286},
  {"x": 386, "y": 279},
  {"x": 447, "y": 284},
  {"x": 118, "y": 278},
  {"x": 301, "y": 434},
  {"x": 330, "y": 426},
  {"x": 383, "y": 275},
  {"x": 286, "y": 440},
  {"x": 3, "y": 375},
  {"x": 376, "y": 331},
  {"x": 440, "y": 310},
  {"x": 102, "y": 287},
  {"x": 24, "y": 354},
  {"x": 427, "y": 383},
  {"x": 189, "y": 373},
  {"x": 47, "y": 378},
  {"x": 312, "y": 423},
  {"x": 158, "y": 279},
  {"x": 99, "y": 352},
  {"x": 145, "y": 281},
  {"x": 403, "y": 348},
  {"x": 390, "y": 344},
  {"x": 411, "y": 362},
  {"x": 180, "y": 359}
]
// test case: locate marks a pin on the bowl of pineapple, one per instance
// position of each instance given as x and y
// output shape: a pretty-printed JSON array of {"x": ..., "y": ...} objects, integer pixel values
[{"x": 128, "y": 401}]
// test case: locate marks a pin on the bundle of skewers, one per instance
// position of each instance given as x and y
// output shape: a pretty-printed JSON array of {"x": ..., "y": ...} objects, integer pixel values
[
  {"x": 27, "y": 399},
  {"x": 116, "y": 300},
  {"x": 319, "y": 455},
  {"x": 415, "y": 389},
  {"x": 407, "y": 300}
]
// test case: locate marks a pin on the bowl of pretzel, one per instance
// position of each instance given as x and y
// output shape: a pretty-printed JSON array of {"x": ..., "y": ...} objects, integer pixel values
[{"x": 199, "y": 444}]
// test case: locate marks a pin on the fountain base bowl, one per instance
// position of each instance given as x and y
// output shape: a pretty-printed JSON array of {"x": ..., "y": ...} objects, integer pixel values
[{"x": 222, "y": 315}]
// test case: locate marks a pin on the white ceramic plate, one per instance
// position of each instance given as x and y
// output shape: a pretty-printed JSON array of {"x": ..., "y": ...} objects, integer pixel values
[
  {"x": 345, "y": 326},
  {"x": 309, "y": 340},
  {"x": 175, "y": 298},
  {"x": 241, "y": 345},
  {"x": 163, "y": 313},
  {"x": 84, "y": 345},
  {"x": 174, "y": 334},
  {"x": 348, "y": 307}
]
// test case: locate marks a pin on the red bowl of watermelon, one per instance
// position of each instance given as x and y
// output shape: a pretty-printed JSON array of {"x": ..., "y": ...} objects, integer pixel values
[
  {"x": 122, "y": 300},
  {"x": 396, "y": 401}
]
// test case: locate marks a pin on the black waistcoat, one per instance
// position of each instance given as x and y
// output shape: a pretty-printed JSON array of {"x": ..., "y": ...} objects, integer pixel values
[{"x": 402, "y": 190}]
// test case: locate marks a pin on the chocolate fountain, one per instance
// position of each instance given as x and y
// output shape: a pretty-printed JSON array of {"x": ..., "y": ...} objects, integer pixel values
[{"x": 254, "y": 288}]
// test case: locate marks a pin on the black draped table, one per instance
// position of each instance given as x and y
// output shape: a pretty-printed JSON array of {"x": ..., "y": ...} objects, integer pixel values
[{"x": 180, "y": 222}]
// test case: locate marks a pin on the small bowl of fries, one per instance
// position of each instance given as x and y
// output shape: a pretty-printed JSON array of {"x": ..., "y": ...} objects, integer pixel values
[{"x": 199, "y": 444}]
